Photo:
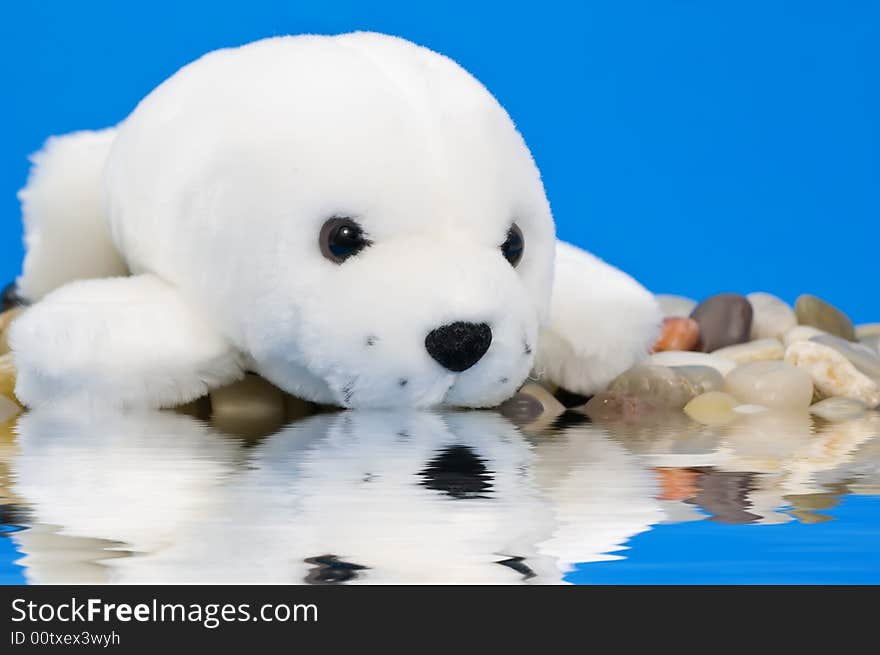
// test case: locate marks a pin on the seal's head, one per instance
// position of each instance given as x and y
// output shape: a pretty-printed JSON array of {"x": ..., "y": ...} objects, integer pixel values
[{"x": 358, "y": 214}]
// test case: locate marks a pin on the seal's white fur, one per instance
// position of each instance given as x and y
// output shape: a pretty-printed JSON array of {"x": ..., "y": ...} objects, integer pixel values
[{"x": 213, "y": 194}]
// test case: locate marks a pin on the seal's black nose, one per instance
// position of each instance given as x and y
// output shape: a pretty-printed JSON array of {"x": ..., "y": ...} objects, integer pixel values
[{"x": 459, "y": 345}]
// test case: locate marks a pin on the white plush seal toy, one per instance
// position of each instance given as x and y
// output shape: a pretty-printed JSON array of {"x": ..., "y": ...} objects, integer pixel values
[{"x": 354, "y": 217}]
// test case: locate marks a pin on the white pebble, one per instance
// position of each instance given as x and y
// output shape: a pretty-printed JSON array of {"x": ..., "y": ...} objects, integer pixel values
[
  {"x": 675, "y": 306},
  {"x": 750, "y": 409},
  {"x": 753, "y": 351},
  {"x": 800, "y": 333},
  {"x": 686, "y": 358},
  {"x": 838, "y": 409},
  {"x": 771, "y": 316},
  {"x": 832, "y": 373},
  {"x": 776, "y": 385}
]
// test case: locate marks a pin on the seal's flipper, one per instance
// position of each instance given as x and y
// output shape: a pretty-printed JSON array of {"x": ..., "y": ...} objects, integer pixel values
[
  {"x": 602, "y": 322},
  {"x": 124, "y": 342}
]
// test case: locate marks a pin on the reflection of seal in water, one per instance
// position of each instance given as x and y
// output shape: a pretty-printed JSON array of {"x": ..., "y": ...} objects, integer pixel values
[
  {"x": 458, "y": 472},
  {"x": 344, "y": 497},
  {"x": 331, "y": 570}
]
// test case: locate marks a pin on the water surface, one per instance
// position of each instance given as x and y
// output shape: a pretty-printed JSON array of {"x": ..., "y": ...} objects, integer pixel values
[{"x": 363, "y": 497}]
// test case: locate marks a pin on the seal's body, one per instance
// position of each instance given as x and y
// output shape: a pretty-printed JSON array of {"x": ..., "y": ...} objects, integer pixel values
[{"x": 354, "y": 217}]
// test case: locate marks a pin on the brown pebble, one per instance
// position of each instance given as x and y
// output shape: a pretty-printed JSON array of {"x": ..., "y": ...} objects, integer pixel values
[
  {"x": 251, "y": 408},
  {"x": 678, "y": 334},
  {"x": 6, "y": 319},
  {"x": 724, "y": 319},
  {"x": 7, "y": 377}
]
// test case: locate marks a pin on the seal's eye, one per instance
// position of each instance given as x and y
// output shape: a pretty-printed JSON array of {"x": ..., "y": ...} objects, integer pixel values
[
  {"x": 341, "y": 238},
  {"x": 513, "y": 247}
]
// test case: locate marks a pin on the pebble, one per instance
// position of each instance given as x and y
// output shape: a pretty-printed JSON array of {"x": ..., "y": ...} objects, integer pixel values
[
  {"x": 297, "y": 408},
  {"x": 724, "y": 319},
  {"x": 7, "y": 376},
  {"x": 838, "y": 409},
  {"x": 775, "y": 385},
  {"x": 199, "y": 408},
  {"x": 8, "y": 409},
  {"x": 771, "y": 316},
  {"x": 712, "y": 408},
  {"x": 750, "y": 409},
  {"x": 250, "y": 408},
  {"x": 832, "y": 373},
  {"x": 530, "y": 403},
  {"x": 862, "y": 357},
  {"x": 800, "y": 333},
  {"x": 6, "y": 319},
  {"x": 678, "y": 334},
  {"x": 872, "y": 341},
  {"x": 675, "y": 306},
  {"x": 614, "y": 406},
  {"x": 677, "y": 358},
  {"x": 814, "y": 311},
  {"x": 659, "y": 386},
  {"x": 753, "y": 351},
  {"x": 704, "y": 378},
  {"x": 867, "y": 330}
]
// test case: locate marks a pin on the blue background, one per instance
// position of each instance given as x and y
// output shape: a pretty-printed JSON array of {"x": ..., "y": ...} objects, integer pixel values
[{"x": 702, "y": 146}]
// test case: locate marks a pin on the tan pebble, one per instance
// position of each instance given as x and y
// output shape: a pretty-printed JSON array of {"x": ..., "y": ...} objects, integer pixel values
[
  {"x": 659, "y": 386},
  {"x": 838, "y": 409},
  {"x": 867, "y": 330},
  {"x": 812, "y": 310},
  {"x": 6, "y": 319},
  {"x": 753, "y": 351},
  {"x": 8, "y": 409},
  {"x": 800, "y": 333},
  {"x": 199, "y": 408},
  {"x": 678, "y": 334},
  {"x": 250, "y": 408},
  {"x": 832, "y": 373},
  {"x": 297, "y": 408},
  {"x": 712, "y": 408},
  {"x": 7, "y": 377},
  {"x": 617, "y": 406},
  {"x": 776, "y": 385}
]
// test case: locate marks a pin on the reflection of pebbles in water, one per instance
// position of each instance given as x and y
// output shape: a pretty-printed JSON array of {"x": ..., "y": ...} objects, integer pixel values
[
  {"x": 751, "y": 469},
  {"x": 598, "y": 492},
  {"x": 860, "y": 468}
]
